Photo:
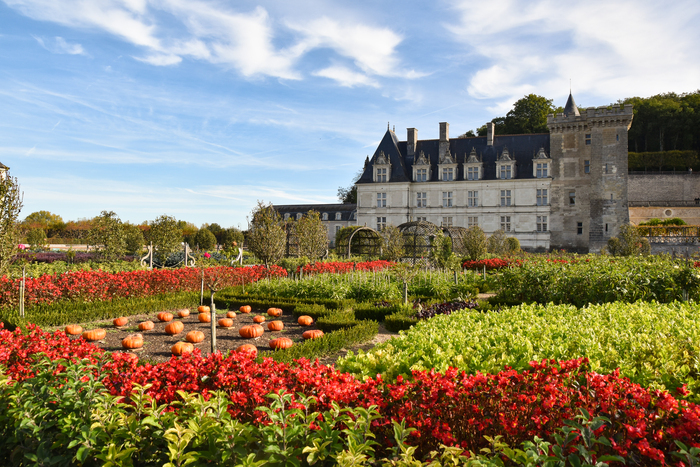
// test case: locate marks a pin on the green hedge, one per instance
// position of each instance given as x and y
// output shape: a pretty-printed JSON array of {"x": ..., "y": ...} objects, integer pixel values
[
  {"x": 232, "y": 299},
  {"x": 65, "y": 312},
  {"x": 337, "y": 320},
  {"x": 402, "y": 319},
  {"x": 377, "y": 313}
]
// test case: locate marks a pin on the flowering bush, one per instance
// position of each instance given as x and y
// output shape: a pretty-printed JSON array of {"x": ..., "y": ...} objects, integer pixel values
[
  {"x": 342, "y": 267},
  {"x": 91, "y": 286},
  {"x": 451, "y": 408},
  {"x": 492, "y": 263}
]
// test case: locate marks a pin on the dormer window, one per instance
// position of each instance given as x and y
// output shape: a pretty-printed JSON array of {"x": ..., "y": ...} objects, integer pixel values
[
  {"x": 421, "y": 168},
  {"x": 337, "y": 216},
  {"x": 505, "y": 166},
  {"x": 324, "y": 216},
  {"x": 540, "y": 164},
  {"x": 473, "y": 167},
  {"x": 298, "y": 215},
  {"x": 447, "y": 167},
  {"x": 382, "y": 168},
  {"x": 286, "y": 216}
]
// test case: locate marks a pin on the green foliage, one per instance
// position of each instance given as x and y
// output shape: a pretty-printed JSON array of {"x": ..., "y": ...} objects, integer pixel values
[
  {"x": 441, "y": 253},
  {"x": 312, "y": 236},
  {"x": 498, "y": 243},
  {"x": 528, "y": 115},
  {"x": 9, "y": 212},
  {"x": 667, "y": 160},
  {"x": 266, "y": 236},
  {"x": 653, "y": 344},
  {"x": 628, "y": 243},
  {"x": 656, "y": 222},
  {"x": 403, "y": 318},
  {"x": 166, "y": 237},
  {"x": 37, "y": 239},
  {"x": 204, "y": 239},
  {"x": 513, "y": 244},
  {"x": 108, "y": 236},
  {"x": 392, "y": 247},
  {"x": 42, "y": 219},
  {"x": 229, "y": 236},
  {"x": 134, "y": 239},
  {"x": 61, "y": 267},
  {"x": 475, "y": 243}
]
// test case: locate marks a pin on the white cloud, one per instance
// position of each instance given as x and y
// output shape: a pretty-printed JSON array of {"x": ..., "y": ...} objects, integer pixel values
[
  {"x": 160, "y": 60},
  {"x": 346, "y": 77},
  {"x": 604, "y": 47},
  {"x": 59, "y": 46}
]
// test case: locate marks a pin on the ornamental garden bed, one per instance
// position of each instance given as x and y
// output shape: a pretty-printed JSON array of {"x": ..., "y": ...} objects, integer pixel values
[{"x": 157, "y": 343}]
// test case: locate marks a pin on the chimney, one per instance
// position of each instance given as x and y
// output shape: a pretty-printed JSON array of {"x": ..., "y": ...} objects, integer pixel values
[
  {"x": 444, "y": 140},
  {"x": 411, "y": 141},
  {"x": 490, "y": 130}
]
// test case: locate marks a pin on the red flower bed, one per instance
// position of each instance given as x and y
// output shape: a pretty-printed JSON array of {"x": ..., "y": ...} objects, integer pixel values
[
  {"x": 98, "y": 285},
  {"x": 342, "y": 267},
  {"x": 491, "y": 264},
  {"x": 452, "y": 408}
]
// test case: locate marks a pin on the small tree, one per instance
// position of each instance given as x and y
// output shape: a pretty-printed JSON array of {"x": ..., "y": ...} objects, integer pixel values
[
  {"x": 441, "y": 253},
  {"x": 392, "y": 248},
  {"x": 107, "y": 235},
  {"x": 475, "y": 243},
  {"x": 134, "y": 239},
  {"x": 628, "y": 243},
  {"x": 513, "y": 244},
  {"x": 205, "y": 239},
  {"x": 498, "y": 243},
  {"x": 266, "y": 236},
  {"x": 37, "y": 239},
  {"x": 166, "y": 237},
  {"x": 230, "y": 235},
  {"x": 312, "y": 236},
  {"x": 9, "y": 212},
  {"x": 404, "y": 273}
]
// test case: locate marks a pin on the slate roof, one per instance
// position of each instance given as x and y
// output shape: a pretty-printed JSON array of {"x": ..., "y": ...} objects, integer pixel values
[
  {"x": 345, "y": 209},
  {"x": 570, "y": 108},
  {"x": 522, "y": 149}
]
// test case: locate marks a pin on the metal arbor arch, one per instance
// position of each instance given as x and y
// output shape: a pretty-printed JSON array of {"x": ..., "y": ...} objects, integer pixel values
[
  {"x": 418, "y": 239},
  {"x": 457, "y": 235},
  {"x": 367, "y": 241}
]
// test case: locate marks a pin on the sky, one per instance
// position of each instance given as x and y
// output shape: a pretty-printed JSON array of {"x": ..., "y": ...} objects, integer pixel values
[{"x": 199, "y": 109}]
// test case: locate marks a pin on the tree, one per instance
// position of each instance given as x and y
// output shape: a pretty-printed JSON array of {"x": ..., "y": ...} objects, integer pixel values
[
  {"x": 528, "y": 115},
  {"x": 229, "y": 236},
  {"x": 266, "y": 235},
  {"x": 216, "y": 229},
  {"x": 441, "y": 252},
  {"x": 205, "y": 239},
  {"x": 475, "y": 243},
  {"x": 349, "y": 195},
  {"x": 9, "y": 212},
  {"x": 628, "y": 243},
  {"x": 392, "y": 248},
  {"x": 166, "y": 237},
  {"x": 107, "y": 235},
  {"x": 312, "y": 235},
  {"x": 42, "y": 219},
  {"x": 498, "y": 243},
  {"x": 36, "y": 239},
  {"x": 134, "y": 239}
]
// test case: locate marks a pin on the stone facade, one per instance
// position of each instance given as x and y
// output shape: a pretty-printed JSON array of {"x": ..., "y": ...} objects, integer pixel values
[{"x": 333, "y": 216}]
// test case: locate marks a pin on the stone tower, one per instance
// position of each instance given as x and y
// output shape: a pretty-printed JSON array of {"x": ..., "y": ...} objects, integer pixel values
[{"x": 589, "y": 170}]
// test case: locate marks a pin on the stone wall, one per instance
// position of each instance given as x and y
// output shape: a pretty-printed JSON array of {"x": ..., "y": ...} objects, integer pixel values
[{"x": 663, "y": 188}]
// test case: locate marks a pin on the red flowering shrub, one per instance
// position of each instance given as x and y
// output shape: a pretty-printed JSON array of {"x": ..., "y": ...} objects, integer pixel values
[
  {"x": 342, "y": 267},
  {"x": 492, "y": 263},
  {"x": 98, "y": 285}
]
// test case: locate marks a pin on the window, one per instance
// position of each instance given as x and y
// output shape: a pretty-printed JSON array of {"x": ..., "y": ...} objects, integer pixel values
[
  {"x": 338, "y": 216},
  {"x": 421, "y": 175},
  {"x": 298, "y": 215},
  {"x": 446, "y": 222},
  {"x": 446, "y": 199},
  {"x": 588, "y": 139},
  {"x": 337, "y": 229},
  {"x": 579, "y": 228},
  {"x": 424, "y": 219},
  {"x": 505, "y": 223},
  {"x": 542, "y": 169},
  {"x": 447, "y": 175},
  {"x": 606, "y": 168},
  {"x": 472, "y": 173},
  {"x": 381, "y": 200},
  {"x": 541, "y": 223},
  {"x": 586, "y": 167},
  {"x": 286, "y": 216},
  {"x": 506, "y": 172},
  {"x": 381, "y": 223},
  {"x": 472, "y": 221},
  {"x": 421, "y": 200},
  {"x": 324, "y": 216},
  {"x": 381, "y": 175},
  {"x": 572, "y": 198},
  {"x": 606, "y": 228},
  {"x": 542, "y": 197},
  {"x": 472, "y": 199},
  {"x": 505, "y": 198}
]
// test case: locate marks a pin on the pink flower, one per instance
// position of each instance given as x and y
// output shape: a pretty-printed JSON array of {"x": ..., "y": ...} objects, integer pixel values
[
  {"x": 207, "y": 255},
  {"x": 21, "y": 247}
]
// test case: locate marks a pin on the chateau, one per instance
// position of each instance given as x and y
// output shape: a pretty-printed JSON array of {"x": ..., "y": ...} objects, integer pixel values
[{"x": 562, "y": 189}]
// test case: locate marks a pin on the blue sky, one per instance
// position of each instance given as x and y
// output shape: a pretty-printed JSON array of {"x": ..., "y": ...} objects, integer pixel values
[{"x": 197, "y": 109}]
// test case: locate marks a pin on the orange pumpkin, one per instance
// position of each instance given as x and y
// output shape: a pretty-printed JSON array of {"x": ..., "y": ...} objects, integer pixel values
[
  {"x": 195, "y": 337},
  {"x": 184, "y": 313},
  {"x": 251, "y": 332},
  {"x": 182, "y": 348},
  {"x": 204, "y": 317},
  {"x": 146, "y": 326},
  {"x": 203, "y": 309},
  {"x": 133, "y": 341},
  {"x": 259, "y": 319},
  {"x": 245, "y": 309},
  {"x": 281, "y": 343},
  {"x": 94, "y": 335},
  {"x": 165, "y": 316},
  {"x": 231, "y": 314},
  {"x": 249, "y": 349},
  {"x": 119, "y": 322},
  {"x": 74, "y": 329},
  {"x": 276, "y": 312},
  {"x": 312, "y": 334},
  {"x": 305, "y": 320},
  {"x": 275, "y": 325},
  {"x": 175, "y": 327},
  {"x": 225, "y": 322}
]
